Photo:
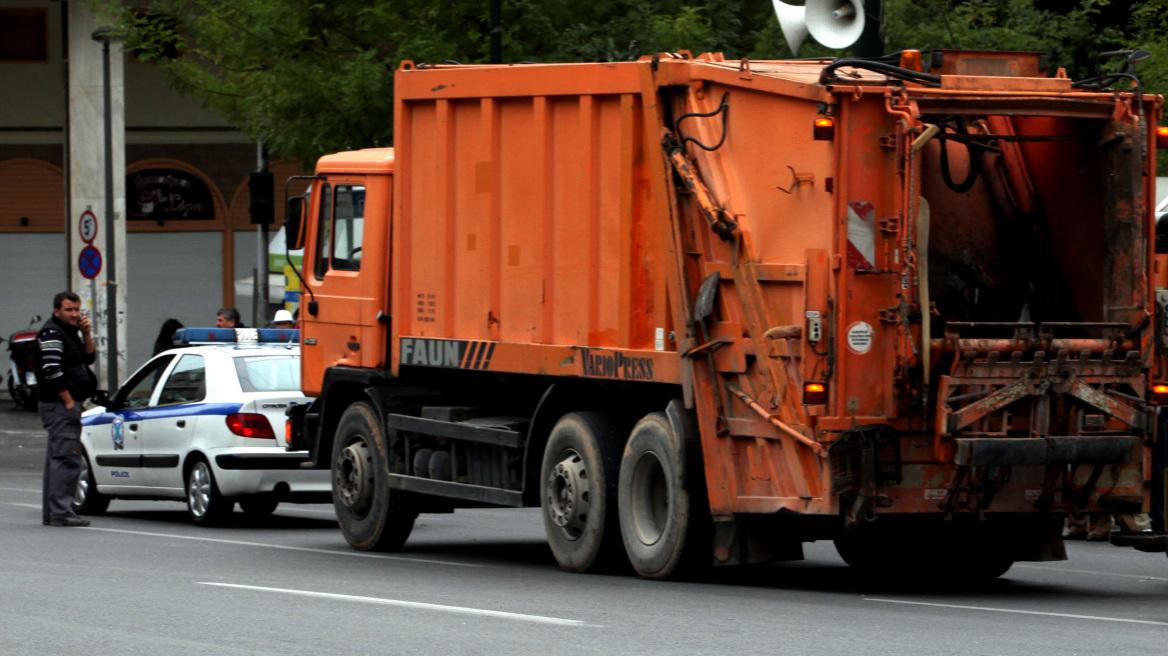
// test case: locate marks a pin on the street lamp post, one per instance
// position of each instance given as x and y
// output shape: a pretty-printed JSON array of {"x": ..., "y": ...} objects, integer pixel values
[{"x": 104, "y": 34}]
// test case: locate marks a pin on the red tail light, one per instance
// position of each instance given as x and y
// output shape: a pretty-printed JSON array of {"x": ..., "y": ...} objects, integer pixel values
[
  {"x": 287, "y": 433},
  {"x": 824, "y": 128},
  {"x": 1162, "y": 136},
  {"x": 250, "y": 425},
  {"x": 1160, "y": 394},
  {"x": 814, "y": 393}
]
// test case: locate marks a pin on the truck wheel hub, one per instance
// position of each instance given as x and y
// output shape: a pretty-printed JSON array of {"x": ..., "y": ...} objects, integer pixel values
[
  {"x": 568, "y": 493},
  {"x": 353, "y": 477}
]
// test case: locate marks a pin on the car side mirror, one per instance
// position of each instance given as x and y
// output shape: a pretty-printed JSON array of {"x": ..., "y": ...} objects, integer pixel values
[
  {"x": 101, "y": 397},
  {"x": 294, "y": 223}
]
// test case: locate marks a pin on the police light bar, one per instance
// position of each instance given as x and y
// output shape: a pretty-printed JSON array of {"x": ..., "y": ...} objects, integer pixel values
[{"x": 188, "y": 336}]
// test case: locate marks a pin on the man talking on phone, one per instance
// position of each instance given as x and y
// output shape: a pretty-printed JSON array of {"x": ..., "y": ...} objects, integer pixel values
[{"x": 64, "y": 352}]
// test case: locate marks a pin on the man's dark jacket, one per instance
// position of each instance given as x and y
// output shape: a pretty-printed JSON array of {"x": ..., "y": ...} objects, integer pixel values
[{"x": 62, "y": 363}]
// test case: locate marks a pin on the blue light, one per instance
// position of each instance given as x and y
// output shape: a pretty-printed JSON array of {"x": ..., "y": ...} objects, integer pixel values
[{"x": 186, "y": 336}]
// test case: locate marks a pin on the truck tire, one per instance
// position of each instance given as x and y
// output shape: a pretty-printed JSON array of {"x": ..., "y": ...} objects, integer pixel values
[
  {"x": 657, "y": 520},
  {"x": 577, "y": 491},
  {"x": 371, "y": 515}
]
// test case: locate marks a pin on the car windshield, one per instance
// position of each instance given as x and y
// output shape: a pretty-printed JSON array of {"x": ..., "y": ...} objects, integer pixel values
[{"x": 268, "y": 373}]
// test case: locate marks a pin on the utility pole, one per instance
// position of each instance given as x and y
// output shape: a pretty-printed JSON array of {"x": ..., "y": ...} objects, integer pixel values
[
  {"x": 104, "y": 34},
  {"x": 263, "y": 211}
]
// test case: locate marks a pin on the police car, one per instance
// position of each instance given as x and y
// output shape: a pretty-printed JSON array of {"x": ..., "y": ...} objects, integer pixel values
[{"x": 203, "y": 423}]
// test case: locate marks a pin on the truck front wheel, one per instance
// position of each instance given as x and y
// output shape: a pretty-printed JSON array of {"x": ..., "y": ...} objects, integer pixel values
[
  {"x": 577, "y": 490},
  {"x": 372, "y": 516},
  {"x": 656, "y": 510}
]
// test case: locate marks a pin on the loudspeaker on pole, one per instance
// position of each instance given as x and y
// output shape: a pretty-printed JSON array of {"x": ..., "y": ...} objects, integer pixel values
[{"x": 834, "y": 23}]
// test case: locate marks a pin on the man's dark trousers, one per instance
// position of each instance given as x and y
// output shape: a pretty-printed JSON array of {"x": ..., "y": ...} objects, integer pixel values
[{"x": 63, "y": 464}]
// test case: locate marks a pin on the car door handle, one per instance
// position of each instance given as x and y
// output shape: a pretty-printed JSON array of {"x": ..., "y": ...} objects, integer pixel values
[
  {"x": 182, "y": 423},
  {"x": 133, "y": 427}
]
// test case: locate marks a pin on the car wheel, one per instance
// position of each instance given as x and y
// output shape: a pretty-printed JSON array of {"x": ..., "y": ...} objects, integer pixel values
[
  {"x": 577, "y": 491},
  {"x": 662, "y": 532},
  {"x": 206, "y": 505},
  {"x": 87, "y": 500},
  {"x": 259, "y": 505},
  {"x": 371, "y": 515}
]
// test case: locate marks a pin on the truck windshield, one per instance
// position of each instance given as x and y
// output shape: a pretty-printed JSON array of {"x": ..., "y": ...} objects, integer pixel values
[{"x": 268, "y": 373}]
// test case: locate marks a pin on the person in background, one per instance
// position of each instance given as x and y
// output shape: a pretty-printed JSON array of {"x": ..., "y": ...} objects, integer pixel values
[
  {"x": 228, "y": 318},
  {"x": 165, "y": 340},
  {"x": 65, "y": 349},
  {"x": 283, "y": 320}
]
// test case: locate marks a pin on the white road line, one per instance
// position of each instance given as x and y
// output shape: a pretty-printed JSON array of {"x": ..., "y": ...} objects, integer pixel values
[
  {"x": 1020, "y": 612},
  {"x": 1058, "y": 570},
  {"x": 18, "y": 489},
  {"x": 25, "y": 505},
  {"x": 408, "y": 604},
  {"x": 355, "y": 554}
]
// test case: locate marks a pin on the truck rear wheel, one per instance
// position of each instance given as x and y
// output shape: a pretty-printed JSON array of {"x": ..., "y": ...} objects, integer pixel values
[
  {"x": 656, "y": 512},
  {"x": 372, "y": 516},
  {"x": 577, "y": 490}
]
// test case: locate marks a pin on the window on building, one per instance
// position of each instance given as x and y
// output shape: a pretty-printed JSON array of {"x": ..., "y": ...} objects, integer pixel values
[{"x": 24, "y": 35}]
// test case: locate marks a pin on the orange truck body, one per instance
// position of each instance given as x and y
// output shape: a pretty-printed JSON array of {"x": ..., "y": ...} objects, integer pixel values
[{"x": 874, "y": 299}]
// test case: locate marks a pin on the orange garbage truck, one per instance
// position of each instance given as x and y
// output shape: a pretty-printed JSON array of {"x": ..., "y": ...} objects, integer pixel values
[{"x": 703, "y": 311}]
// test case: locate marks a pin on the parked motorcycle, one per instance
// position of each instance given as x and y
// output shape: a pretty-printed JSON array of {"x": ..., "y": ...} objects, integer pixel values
[{"x": 22, "y": 385}]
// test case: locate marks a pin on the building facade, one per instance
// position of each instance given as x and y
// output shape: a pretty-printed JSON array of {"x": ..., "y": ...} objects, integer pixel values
[{"x": 181, "y": 193}]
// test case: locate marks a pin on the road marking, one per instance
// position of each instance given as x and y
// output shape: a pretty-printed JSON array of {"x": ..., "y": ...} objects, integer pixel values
[
  {"x": 408, "y": 604},
  {"x": 1021, "y": 612},
  {"x": 1057, "y": 570},
  {"x": 357, "y": 554},
  {"x": 25, "y": 505},
  {"x": 18, "y": 489}
]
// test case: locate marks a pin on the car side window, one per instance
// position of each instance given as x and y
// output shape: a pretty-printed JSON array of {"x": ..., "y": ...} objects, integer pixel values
[
  {"x": 187, "y": 382},
  {"x": 325, "y": 221},
  {"x": 137, "y": 392}
]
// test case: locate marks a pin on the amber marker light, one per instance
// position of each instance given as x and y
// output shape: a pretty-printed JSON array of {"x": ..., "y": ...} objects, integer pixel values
[
  {"x": 824, "y": 128},
  {"x": 1162, "y": 136},
  {"x": 816, "y": 393},
  {"x": 1160, "y": 394}
]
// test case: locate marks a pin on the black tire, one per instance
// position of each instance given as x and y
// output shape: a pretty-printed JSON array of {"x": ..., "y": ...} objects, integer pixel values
[
  {"x": 372, "y": 516},
  {"x": 21, "y": 395},
  {"x": 205, "y": 504},
  {"x": 660, "y": 522},
  {"x": 87, "y": 500},
  {"x": 577, "y": 491},
  {"x": 259, "y": 505}
]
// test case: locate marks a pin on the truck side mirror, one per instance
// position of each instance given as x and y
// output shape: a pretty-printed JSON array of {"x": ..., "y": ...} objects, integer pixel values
[{"x": 294, "y": 223}]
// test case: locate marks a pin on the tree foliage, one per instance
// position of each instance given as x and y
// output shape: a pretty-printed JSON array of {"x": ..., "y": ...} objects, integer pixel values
[{"x": 311, "y": 77}]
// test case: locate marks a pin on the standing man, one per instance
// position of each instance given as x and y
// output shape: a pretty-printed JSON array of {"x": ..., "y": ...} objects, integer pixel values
[{"x": 65, "y": 350}]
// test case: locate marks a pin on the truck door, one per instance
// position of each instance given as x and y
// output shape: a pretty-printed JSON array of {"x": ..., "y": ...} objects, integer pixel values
[{"x": 348, "y": 288}]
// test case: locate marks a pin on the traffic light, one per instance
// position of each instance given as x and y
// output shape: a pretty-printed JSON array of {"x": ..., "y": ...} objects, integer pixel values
[{"x": 263, "y": 204}]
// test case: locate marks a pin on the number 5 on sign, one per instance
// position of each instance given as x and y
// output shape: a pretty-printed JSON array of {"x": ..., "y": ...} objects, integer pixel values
[{"x": 87, "y": 226}]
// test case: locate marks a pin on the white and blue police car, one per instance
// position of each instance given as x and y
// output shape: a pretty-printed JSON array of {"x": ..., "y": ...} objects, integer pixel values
[{"x": 204, "y": 423}]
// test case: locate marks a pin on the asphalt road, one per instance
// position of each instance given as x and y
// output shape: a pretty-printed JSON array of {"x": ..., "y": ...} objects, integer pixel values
[{"x": 144, "y": 580}]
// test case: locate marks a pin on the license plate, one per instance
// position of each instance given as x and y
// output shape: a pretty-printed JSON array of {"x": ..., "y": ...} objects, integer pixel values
[{"x": 30, "y": 379}]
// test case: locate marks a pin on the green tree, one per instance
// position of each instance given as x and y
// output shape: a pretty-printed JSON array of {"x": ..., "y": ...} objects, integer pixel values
[{"x": 311, "y": 77}]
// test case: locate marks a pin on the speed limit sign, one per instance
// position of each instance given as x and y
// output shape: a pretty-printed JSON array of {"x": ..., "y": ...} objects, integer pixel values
[{"x": 87, "y": 226}]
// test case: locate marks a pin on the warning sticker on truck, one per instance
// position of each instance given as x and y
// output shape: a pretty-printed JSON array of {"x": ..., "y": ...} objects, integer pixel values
[
  {"x": 860, "y": 337},
  {"x": 861, "y": 235},
  {"x": 451, "y": 353}
]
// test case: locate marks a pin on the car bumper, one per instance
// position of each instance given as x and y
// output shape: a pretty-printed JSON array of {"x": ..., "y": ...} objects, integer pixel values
[{"x": 262, "y": 471}]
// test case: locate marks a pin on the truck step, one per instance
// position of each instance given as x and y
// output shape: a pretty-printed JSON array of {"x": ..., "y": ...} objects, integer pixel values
[{"x": 493, "y": 495}]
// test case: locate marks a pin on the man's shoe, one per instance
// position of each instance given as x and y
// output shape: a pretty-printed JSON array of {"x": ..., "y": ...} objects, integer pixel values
[{"x": 69, "y": 521}]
